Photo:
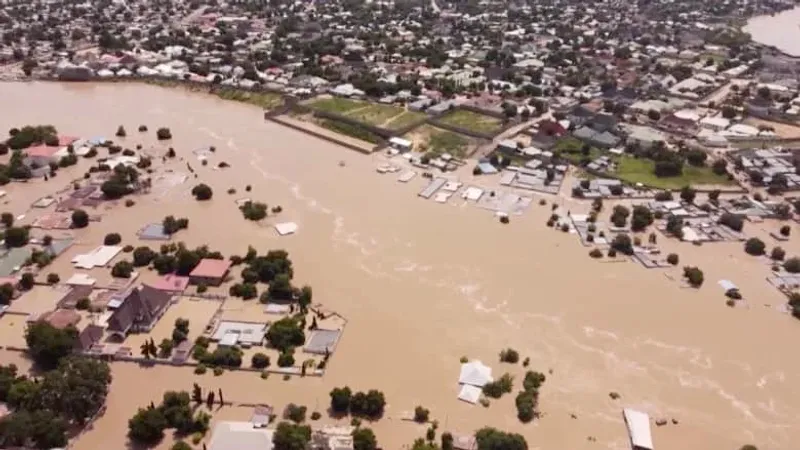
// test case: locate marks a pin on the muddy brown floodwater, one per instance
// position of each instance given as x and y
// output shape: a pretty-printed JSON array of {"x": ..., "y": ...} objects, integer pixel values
[{"x": 423, "y": 284}]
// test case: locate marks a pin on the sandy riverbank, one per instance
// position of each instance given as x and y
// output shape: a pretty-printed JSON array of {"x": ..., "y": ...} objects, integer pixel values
[{"x": 422, "y": 284}]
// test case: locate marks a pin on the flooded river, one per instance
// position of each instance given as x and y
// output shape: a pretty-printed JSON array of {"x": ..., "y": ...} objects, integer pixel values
[
  {"x": 423, "y": 284},
  {"x": 781, "y": 31}
]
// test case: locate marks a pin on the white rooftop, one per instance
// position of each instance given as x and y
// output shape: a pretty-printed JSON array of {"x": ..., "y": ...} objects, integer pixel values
[{"x": 240, "y": 436}]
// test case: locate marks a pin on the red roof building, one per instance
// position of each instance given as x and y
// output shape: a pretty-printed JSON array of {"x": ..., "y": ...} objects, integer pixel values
[
  {"x": 41, "y": 151},
  {"x": 171, "y": 283},
  {"x": 210, "y": 271},
  {"x": 64, "y": 141}
]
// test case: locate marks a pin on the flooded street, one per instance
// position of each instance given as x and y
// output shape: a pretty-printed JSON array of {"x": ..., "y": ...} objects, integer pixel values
[{"x": 423, "y": 284}]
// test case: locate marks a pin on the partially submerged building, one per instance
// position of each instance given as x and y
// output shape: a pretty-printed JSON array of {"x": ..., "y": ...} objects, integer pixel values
[{"x": 140, "y": 310}]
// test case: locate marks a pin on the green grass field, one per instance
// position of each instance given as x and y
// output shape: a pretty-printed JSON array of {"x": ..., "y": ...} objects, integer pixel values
[
  {"x": 437, "y": 141},
  {"x": 349, "y": 130},
  {"x": 266, "y": 100},
  {"x": 336, "y": 104},
  {"x": 385, "y": 116},
  {"x": 403, "y": 120},
  {"x": 472, "y": 121},
  {"x": 639, "y": 170},
  {"x": 571, "y": 149}
]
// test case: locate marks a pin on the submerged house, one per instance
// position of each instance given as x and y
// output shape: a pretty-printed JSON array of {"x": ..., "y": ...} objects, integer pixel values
[{"x": 140, "y": 311}]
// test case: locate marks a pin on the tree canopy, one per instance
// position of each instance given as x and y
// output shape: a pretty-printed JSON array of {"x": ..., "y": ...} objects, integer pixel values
[
  {"x": 44, "y": 408},
  {"x": 364, "y": 439},
  {"x": 202, "y": 192},
  {"x": 47, "y": 345},
  {"x": 493, "y": 439},
  {"x": 286, "y": 333},
  {"x": 289, "y": 436},
  {"x": 147, "y": 426}
]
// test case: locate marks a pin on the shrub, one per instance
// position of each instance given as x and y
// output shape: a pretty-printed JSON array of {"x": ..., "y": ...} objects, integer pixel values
[
  {"x": 777, "y": 254},
  {"x": 112, "y": 239},
  {"x": 127, "y": 248},
  {"x": 53, "y": 278},
  {"x": 122, "y": 269},
  {"x": 754, "y": 246},
  {"x": 732, "y": 221},
  {"x": 509, "y": 355},
  {"x": 421, "y": 414},
  {"x": 596, "y": 253},
  {"x": 295, "y": 413},
  {"x": 642, "y": 218},
  {"x": 526, "y": 402},
  {"x": 143, "y": 256},
  {"x": 501, "y": 386},
  {"x": 121, "y": 132},
  {"x": 623, "y": 244},
  {"x": 142, "y": 128},
  {"x": 218, "y": 371},
  {"x": 201, "y": 288},
  {"x": 80, "y": 219},
  {"x": 733, "y": 294},
  {"x": 163, "y": 134},
  {"x": 693, "y": 275},
  {"x": 202, "y": 192},
  {"x": 200, "y": 369},
  {"x": 129, "y": 203},
  {"x": 663, "y": 196},
  {"x": 786, "y": 230},
  {"x": 672, "y": 258},
  {"x": 316, "y": 415},
  {"x": 286, "y": 359},
  {"x": 83, "y": 304},
  {"x": 504, "y": 219},
  {"x": 792, "y": 265},
  {"x": 612, "y": 253},
  {"x": 260, "y": 361}
]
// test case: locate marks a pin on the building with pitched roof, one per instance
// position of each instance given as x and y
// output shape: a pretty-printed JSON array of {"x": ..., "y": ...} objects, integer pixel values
[{"x": 140, "y": 311}]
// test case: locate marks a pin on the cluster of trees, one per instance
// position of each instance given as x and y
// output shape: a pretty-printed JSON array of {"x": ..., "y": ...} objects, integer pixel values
[
  {"x": 45, "y": 408},
  {"x": 180, "y": 259},
  {"x": 500, "y": 386},
  {"x": 291, "y": 436},
  {"x": 286, "y": 334},
  {"x": 32, "y": 135},
  {"x": 120, "y": 183},
  {"x": 202, "y": 192},
  {"x": 220, "y": 357},
  {"x": 509, "y": 355},
  {"x": 147, "y": 426},
  {"x": 172, "y": 225},
  {"x": 163, "y": 134},
  {"x": 619, "y": 216},
  {"x": 755, "y": 246},
  {"x": 623, "y": 244},
  {"x": 693, "y": 275},
  {"x": 16, "y": 237},
  {"x": 527, "y": 400},
  {"x": 493, "y": 439},
  {"x": 362, "y": 404},
  {"x": 254, "y": 211}
]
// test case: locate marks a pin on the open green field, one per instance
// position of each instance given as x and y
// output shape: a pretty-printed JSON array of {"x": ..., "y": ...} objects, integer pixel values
[
  {"x": 472, "y": 121},
  {"x": 385, "y": 116},
  {"x": 266, "y": 100},
  {"x": 436, "y": 141},
  {"x": 349, "y": 130},
  {"x": 571, "y": 149},
  {"x": 640, "y": 170}
]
